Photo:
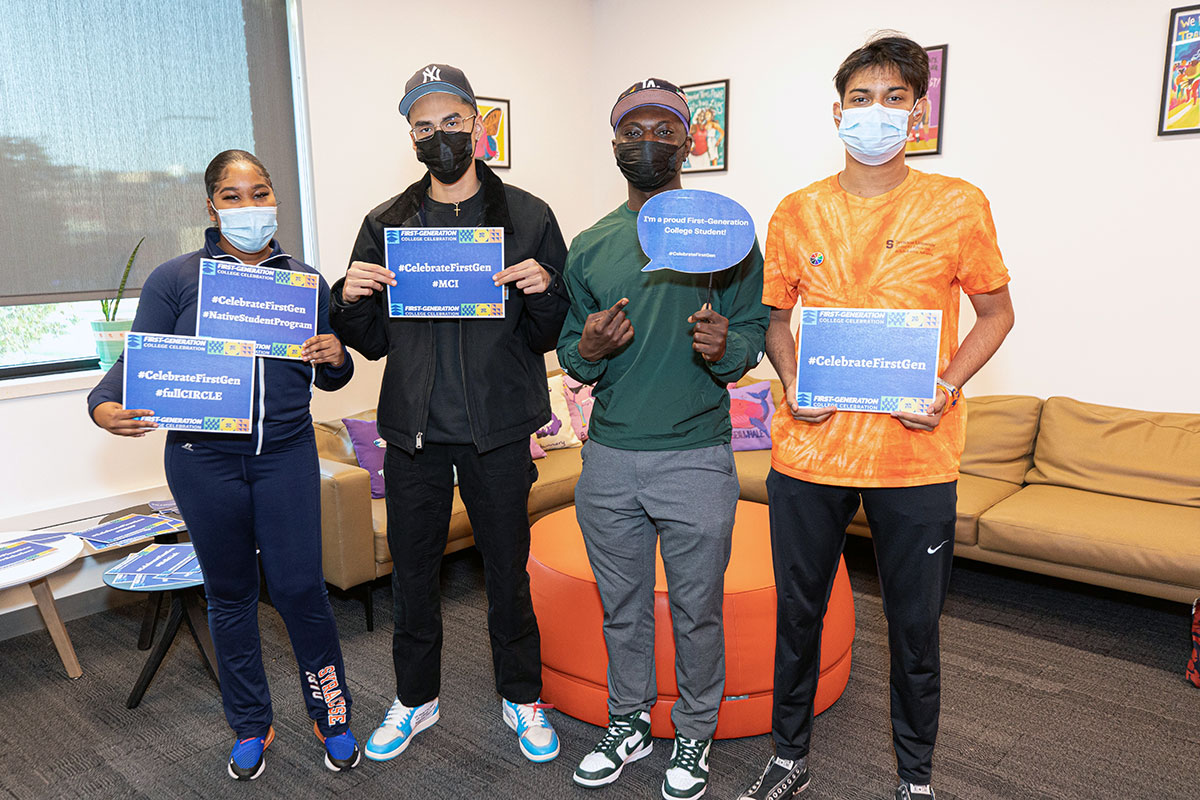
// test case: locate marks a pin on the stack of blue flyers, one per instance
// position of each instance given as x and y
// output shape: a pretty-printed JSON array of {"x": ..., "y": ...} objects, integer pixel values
[
  {"x": 167, "y": 506},
  {"x": 129, "y": 529},
  {"x": 157, "y": 567},
  {"x": 21, "y": 551}
]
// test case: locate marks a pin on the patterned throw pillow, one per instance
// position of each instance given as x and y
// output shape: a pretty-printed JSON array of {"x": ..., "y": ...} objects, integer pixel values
[
  {"x": 751, "y": 408},
  {"x": 557, "y": 433},
  {"x": 535, "y": 449},
  {"x": 579, "y": 405},
  {"x": 368, "y": 449}
]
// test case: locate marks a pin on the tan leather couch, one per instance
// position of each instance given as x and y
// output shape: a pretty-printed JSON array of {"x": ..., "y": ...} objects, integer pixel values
[
  {"x": 354, "y": 525},
  {"x": 1103, "y": 495}
]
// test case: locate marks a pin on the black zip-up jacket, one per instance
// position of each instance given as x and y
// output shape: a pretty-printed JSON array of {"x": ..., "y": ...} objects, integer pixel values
[{"x": 503, "y": 360}]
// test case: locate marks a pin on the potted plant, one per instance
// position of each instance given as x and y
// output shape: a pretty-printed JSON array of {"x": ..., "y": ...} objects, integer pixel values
[{"x": 110, "y": 331}]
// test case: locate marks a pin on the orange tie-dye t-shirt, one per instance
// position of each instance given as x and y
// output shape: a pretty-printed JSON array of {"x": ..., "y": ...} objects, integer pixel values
[{"x": 914, "y": 247}]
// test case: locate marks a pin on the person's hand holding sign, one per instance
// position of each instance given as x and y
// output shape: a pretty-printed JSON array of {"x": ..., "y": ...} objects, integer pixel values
[
  {"x": 324, "y": 348},
  {"x": 529, "y": 276},
  {"x": 362, "y": 279},
  {"x": 923, "y": 422},
  {"x": 123, "y": 421},
  {"x": 708, "y": 337},
  {"x": 606, "y": 331},
  {"x": 813, "y": 416}
]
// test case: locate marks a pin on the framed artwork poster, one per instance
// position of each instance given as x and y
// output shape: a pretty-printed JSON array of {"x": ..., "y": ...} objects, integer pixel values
[
  {"x": 495, "y": 146},
  {"x": 709, "y": 127},
  {"x": 1179, "y": 111},
  {"x": 926, "y": 136}
]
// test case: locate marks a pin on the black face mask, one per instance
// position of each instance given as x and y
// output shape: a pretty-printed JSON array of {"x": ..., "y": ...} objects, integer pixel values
[
  {"x": 447, "y": 155},
  {"x": 649, "y": 165}
]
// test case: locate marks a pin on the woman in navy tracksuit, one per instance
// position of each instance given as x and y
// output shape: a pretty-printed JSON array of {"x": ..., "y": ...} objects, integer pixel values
[{"x": 241, "y": 492}]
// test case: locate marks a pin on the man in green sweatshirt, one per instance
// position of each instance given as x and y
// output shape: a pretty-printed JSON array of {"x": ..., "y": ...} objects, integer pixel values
[{"x": 658, "y": 463}]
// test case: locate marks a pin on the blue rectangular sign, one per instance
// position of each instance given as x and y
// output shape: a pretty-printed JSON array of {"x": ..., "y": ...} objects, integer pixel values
[
  {"x": 867, "y": 359},
  {"x": 19, "y": 552},
  {"x": 445, "y": 272},
  {"x": 128, "y": 528},
  {"x": 191, "y": 383},
  {"x": 274, "y": 308}
]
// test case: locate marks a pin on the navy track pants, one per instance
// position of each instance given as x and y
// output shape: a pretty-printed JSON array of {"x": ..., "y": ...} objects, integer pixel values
[{"x": 233, "y": 504}]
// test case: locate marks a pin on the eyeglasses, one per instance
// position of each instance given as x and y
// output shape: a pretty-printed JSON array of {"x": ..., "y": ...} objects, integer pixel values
[{"x": 452, "y": 125}]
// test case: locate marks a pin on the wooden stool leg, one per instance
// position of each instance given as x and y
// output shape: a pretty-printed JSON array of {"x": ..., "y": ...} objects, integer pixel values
[
  {"x": 54, "y": 624},
  {"x": 158, "y": 653}
]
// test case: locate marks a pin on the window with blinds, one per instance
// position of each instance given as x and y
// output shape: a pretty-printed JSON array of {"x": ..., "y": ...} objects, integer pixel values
[{"x": 109, "y": 112}]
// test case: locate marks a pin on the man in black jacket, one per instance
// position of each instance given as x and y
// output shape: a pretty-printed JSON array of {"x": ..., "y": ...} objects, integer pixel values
[{"x": 464, "y": 395}]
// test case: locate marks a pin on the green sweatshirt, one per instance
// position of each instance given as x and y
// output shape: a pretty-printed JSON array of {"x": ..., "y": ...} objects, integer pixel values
[{"x": 657, "y": 393}]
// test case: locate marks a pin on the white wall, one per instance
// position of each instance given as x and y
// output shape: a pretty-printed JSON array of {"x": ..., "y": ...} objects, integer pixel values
[
  {"x": 1050, "y": 109},
  {"x": 536, "y": 53}
]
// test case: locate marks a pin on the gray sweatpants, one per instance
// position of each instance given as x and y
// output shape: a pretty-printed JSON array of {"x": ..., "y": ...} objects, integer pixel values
[{"x": 624, "y": 500}]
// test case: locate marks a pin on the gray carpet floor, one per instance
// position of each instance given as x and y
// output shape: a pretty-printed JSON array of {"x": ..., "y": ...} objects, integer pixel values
[{"x": 1051, "y": 690}]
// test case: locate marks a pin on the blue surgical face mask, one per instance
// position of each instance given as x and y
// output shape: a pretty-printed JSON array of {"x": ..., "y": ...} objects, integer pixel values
[
  {"x": 248, "y": 228},
  {"x": 875, "y": 134}
]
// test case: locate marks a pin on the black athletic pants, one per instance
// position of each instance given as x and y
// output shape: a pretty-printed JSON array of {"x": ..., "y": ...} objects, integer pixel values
[
  {"x": 913, "y": 532},
  {"x": 494, "y": 487}
]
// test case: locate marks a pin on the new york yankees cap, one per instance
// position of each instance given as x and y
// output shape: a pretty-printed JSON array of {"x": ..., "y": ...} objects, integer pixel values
[
  {"x": 436, "y": 78},
  {"x": 651, "y": 92}
]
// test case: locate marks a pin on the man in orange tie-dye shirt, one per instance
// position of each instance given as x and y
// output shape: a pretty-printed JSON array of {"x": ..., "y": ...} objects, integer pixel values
[{"x": 876, "y": 235}]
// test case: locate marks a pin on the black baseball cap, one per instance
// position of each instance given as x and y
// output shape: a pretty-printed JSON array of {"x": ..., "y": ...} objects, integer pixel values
[
  {"x": 651, "y": 92},
  {"x": 436, "y": 78}
]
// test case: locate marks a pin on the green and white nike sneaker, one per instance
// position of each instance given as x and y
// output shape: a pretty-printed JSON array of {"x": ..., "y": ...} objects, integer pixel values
[
  {"x": 627, "y": 739},
  {"x": 687, "y": 772},
  {"x": 914, "y": 791}
]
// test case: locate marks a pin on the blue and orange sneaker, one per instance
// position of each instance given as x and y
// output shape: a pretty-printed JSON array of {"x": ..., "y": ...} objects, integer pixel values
[
  {"x": 535, "y": 734},
  {"x": 246, "y": 761},
  {"x": 341, "y": 751}
]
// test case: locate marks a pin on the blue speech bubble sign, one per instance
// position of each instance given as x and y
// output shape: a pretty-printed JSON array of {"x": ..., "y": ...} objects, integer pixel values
[{"x": 690, "y": 230}]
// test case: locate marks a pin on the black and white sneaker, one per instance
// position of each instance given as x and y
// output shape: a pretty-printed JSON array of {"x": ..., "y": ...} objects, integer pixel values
[
  {"x": 781, "y": 779},
  {"x": 627, "y": 739},
  {"x": 913, "y": 791},
  {"x": 687, "y": 773}
]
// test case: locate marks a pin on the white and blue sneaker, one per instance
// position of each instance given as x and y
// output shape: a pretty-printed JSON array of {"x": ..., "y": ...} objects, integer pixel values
[
  {"x": 535, "y": 735},
  {"x": 399, "y": 726}
]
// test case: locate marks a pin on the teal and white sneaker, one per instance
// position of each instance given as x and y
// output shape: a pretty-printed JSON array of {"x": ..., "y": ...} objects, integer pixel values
[
  {"x": 399, "y": 726},
  {"x": 687, "y": 772},
  {"x": 627, "y": 739},
  {"x": 535, "y": 735}
]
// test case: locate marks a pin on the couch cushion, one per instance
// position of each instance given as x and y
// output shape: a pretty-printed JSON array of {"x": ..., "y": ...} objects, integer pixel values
[
  {"x": 1138, "y": 454},
  {"x": 333, "y": 441},
  {"x": 975, "y": 496},
  {"x": 1000, "y": 434},
  {"x": 558, "y": 473},
  {"x": 752, "y": 468},
  {"x": 1118, "y": 535}
]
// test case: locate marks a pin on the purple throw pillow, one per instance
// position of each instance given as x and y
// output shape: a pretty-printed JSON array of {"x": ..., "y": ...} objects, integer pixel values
[
  {"x": 368, "y": 449},
  {"x": 751, "y": 408}
]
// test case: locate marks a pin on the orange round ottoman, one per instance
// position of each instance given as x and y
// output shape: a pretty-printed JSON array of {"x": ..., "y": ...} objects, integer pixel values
[{"x": 575, "y": 660}]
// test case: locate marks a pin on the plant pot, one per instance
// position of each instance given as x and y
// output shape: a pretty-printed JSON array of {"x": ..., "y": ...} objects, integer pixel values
[{"x": 110, "y": 339}]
